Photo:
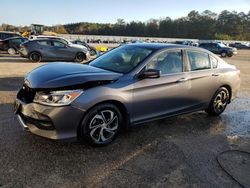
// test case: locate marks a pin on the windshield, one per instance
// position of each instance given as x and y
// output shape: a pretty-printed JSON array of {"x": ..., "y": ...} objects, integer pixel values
[
  {"x": 65, "y": 41},
  {"x": 222, "y": 45},
  {"x": 122, "y": 59}
]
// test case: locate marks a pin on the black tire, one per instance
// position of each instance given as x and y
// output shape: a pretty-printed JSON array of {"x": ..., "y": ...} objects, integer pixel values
[
  {"x": 98, "y": 120},
  {"x": 80, "y": 57},
  {"x": 219, "y": 102},
  {"x": 35, "y": 57},
  {"x": 223, "y": 54},
  {"x": 92, "y": 52}
]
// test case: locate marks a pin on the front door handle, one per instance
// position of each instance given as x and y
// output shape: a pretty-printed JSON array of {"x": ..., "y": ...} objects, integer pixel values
[{"x": 182, "y": 80}]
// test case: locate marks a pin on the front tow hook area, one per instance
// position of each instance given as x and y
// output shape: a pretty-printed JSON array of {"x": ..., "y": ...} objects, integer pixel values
[{"x": 24, "y": 126}]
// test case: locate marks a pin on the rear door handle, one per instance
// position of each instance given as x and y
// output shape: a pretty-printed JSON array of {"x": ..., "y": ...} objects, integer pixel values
[
  {"x": 182, "y": 80},
  {"x": 216, "y": 74}
]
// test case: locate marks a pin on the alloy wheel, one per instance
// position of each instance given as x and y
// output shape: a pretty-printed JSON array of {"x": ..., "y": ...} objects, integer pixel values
[
  {"x": 11, "y": 51},
  {"x": 223, "y": 54},
  {"x": 103, "y": 126},
  {"x": 35, "y": 57},
  {"x": 220, "y": 101},
  {"x": 79, "y": 57}
]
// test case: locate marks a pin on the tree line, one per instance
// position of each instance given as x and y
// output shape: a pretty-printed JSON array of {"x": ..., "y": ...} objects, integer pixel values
[{"x": 205, "y": 25}]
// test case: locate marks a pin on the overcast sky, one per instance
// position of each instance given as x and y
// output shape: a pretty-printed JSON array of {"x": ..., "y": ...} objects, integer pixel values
[{"x": 51, "y": 12}]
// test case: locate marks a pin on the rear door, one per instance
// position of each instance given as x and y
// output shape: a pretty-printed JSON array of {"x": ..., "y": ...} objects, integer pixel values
[
  {"x": 157, "y": 97},
  {"x": 202, "y": 78},
  {"x": 45, "y": 48}
]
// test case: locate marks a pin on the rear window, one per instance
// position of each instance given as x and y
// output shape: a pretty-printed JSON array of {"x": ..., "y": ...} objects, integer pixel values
[{"x": 198, "y": 60}]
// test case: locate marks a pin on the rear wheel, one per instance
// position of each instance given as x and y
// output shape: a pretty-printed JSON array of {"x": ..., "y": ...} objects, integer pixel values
[
  {"x": 101, "y": 125},
  {"x": 11, "y": 51},
  {"x": 219, "y": 102},
  {"x": 224, "y": 54},
  {"x": 80, "y": 57},
  {"x": 35, "y": 57}
]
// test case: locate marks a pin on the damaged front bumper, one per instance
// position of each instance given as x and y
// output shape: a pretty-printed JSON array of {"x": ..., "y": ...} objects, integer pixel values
[{"x": 57, "y": 123}]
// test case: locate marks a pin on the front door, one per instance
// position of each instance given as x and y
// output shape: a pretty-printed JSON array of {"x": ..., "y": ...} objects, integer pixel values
[
  {"x": 62, "y": 51},
  {"x": 157, "y": 97}
]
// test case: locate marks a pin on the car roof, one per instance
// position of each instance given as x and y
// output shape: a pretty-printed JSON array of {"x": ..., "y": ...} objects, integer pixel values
[
  {"x": 45, "y": 39},
  {"x": 11, "y": 38}
]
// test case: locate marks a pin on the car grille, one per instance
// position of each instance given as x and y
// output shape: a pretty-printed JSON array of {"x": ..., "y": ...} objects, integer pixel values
[{"x": 26, "y": 94}]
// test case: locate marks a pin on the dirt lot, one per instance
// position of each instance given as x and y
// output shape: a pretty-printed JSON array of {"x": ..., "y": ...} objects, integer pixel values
[{"x": 176, "y": 152}]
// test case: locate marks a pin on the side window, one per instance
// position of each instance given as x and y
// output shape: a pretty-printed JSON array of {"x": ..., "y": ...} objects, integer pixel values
[
  {"x": 58, "y": 44},
  {"x": 214, "y": 62},
  {"x": 168, "y": 62},
  {"x": 44, "y": 42},
  {"x": 198, "y": 60}
]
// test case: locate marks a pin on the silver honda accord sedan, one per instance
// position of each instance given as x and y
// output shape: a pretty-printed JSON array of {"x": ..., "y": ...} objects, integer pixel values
[{"x": 129, "y": 85}]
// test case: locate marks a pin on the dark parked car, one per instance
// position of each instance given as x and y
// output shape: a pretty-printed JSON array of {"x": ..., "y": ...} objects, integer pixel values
[
  {"x": 129, "y": 85},
  {"x": 219, "y": 48},
  {"x": 92, "y": 49},
  {"x": 5, "y": 35},
  {"x": 52, "y": 50},
  {"x": 12, "y": 45},
  {"x": 239, "y": 45}
]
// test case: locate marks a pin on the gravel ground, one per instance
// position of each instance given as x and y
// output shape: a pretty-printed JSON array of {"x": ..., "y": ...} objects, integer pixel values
[{"x": 174, "y": 152}]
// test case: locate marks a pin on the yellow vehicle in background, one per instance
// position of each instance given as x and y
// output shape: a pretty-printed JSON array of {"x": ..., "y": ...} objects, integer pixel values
[
  {"x": 37, "y": 29},
  {"x": 101, "y": 48}
]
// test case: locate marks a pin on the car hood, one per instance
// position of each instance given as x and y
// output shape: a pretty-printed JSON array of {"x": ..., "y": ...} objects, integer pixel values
[{"x": 58, "y": 75}]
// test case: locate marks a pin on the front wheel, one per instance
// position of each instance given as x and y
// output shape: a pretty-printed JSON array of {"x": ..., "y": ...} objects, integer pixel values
[
  {"x": 35, "y": 57},
  {"x": 219, "y": 102},
  {"x": 80, "y": 57},
  {"x": 101, "y": 125}
]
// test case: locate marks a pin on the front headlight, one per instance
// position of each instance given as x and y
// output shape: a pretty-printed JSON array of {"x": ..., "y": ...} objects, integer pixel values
[{"x": 57, "y": 98}]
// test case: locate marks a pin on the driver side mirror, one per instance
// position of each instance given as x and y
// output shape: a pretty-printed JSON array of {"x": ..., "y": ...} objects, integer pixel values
[{"x": 150, "y": 73}]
